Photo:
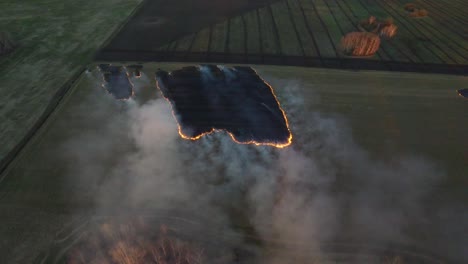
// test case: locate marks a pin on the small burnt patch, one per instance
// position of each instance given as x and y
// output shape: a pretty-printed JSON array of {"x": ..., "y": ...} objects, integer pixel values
[
  {"x": 116, "y": 81},
  {"x": 208, "y": 98},
  {"x": 135, "y": 69},
  {"x": 463, "y": 93}
]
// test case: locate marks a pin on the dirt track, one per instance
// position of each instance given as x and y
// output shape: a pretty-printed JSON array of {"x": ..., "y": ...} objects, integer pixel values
[{"x": 334, "y": 63}]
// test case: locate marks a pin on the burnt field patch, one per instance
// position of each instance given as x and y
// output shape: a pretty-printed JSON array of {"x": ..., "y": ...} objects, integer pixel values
[
  {"x": 116, "y": 81},
  {"x": 210, "y": 98}
]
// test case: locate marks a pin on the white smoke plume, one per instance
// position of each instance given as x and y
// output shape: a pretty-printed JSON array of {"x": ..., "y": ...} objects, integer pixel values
[{"x": 322, "y": 189}]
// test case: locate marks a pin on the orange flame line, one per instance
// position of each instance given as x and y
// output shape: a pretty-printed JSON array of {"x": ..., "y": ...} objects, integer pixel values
[{"x": 251, "y": 142}]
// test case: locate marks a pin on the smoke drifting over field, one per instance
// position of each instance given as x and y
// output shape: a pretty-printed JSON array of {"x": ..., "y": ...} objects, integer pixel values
[{"x": 323, "y": 188}]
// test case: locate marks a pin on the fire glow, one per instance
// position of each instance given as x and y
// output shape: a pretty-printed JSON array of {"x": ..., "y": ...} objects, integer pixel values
[
  {"x": 282, "y": 143},
  {"x": 133, "y": 242},
  {"x": 463, "y": 93}
]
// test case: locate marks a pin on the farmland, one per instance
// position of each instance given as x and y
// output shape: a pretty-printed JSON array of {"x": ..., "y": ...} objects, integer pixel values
[
  {"x": 308, "y": 33},
  {"x": 52, "y": 50},
  {"x": 51, "y": 193},
  {"x": 384, "y": 149}
]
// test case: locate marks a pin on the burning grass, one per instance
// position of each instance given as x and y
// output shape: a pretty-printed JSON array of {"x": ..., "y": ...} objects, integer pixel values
[
  {"x": 137, "y": 241},
  {"x": 134, "y": 242}
]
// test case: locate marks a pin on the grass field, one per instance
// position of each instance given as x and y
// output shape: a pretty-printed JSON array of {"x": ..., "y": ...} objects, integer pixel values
[
  {"x": 57, "y": 39},
  {"x": 313, "y": 29},
  {"x": 388, "y": 114}
]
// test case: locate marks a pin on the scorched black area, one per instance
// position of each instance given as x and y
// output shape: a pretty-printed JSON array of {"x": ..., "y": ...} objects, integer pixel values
[
  {"x": 208, "y": 98},
  {"x": 116, "y": 81},
  {"x": 463, "y": 93}
]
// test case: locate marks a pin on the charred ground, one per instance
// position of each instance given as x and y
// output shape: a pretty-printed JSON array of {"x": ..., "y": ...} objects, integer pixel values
[{"x": 237, "y": 100}]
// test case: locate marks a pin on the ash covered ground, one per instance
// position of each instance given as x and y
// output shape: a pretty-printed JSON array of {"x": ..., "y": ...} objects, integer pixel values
[
  {"x": 237, "y": 100},
  {"x": 116, "y": 81}
]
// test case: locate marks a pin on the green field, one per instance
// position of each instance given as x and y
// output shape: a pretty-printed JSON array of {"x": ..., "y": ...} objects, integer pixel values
[
  {"x": 388, "y": 115},
  {"x": 314, "y": 28},
  {"x": 57, "y": 40}
]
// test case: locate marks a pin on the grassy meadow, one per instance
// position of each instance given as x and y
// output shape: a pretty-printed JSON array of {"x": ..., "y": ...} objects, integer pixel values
[{"x": 57, "y": 40}]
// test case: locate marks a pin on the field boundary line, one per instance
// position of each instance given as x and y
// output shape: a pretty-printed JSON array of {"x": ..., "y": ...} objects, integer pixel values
[
  {"x": 210, "y": 38},
  {"x": 295, "y": 27},
  {"x": 244, "y": 25},
  {"x": 260, "y": 34},
  {"x": 51, "y": 106},
  {"x": 325, "y": 28},
  {"x": 309, "y": 29},
  {"x": 189, "y": 49},
  {"x": 228, "y": 36},
  {"x": 120, "y": 27},
  {"x": 275, "y": 27}
]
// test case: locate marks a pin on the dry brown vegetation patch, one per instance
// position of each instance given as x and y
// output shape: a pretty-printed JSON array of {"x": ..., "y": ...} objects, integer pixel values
[
  {"x": 388, "y": 32},
  {"x": 384, "y": 28},
  {"x": 415, "y": 11},
  {"x": 419, "y": 13},
  {"x": 132, "y": 243},
  {"x": 360, "y": 44}
]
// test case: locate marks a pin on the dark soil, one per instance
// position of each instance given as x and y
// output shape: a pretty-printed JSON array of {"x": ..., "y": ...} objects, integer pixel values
[{"x": 158, "y": 22}]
